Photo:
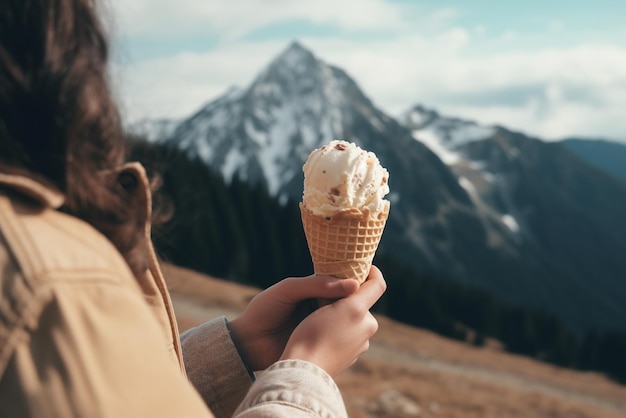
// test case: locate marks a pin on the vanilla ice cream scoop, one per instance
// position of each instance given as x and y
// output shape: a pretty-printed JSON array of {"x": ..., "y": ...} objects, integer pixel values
[{"x": 339, "y": 176}]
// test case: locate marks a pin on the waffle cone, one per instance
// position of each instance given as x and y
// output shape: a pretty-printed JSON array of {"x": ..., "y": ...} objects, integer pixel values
[{"x": 344, "y": 244}]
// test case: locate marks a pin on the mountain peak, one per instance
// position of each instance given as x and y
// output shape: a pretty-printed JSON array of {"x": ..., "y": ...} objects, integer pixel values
[
  {"x": 296, "y": 57},
  {"x": 296, "y": 46},
  {"x": 419, "y": 116},
  {"x": 300, "y": 82}
]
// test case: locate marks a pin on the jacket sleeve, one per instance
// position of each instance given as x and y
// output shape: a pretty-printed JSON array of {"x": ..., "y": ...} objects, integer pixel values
[
  {"x": 295, "y": 389},
  {"x": 214, "y": 366},
  {"x": 95, "y": 350}
]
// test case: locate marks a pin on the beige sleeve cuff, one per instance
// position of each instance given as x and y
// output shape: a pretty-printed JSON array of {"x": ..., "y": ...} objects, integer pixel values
[
  {"x": 293, "y": 388},
  {"x": 214, "y": 366}
]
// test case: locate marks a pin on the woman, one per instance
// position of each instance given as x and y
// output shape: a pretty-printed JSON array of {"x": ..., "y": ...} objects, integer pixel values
[{"x": 86, "y": 323}]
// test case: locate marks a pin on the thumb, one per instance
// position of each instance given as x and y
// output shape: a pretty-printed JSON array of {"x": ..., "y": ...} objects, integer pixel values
[{"x": 325, "y": 287}]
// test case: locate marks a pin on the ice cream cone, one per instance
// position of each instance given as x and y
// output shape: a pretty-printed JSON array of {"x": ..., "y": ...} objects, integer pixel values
[{"x": 344, "y": 244}]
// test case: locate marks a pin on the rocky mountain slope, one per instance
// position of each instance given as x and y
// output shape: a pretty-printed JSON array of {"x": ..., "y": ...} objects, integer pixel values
[
  {"x": 555, "y": 207},
  {"x": 473, "y": 204}
]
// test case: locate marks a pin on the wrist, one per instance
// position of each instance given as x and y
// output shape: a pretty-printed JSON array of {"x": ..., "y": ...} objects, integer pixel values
[
  {"x": 237, "y": 338},
  {"x": 299, "y": 351}
]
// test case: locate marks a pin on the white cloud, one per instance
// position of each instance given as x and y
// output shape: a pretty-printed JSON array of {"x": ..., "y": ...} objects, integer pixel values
[
  {"x": 551, "y": 123},
  {"x": 233, "y": 19},
  {"x": 580, "y": 90},
  {"x": 177, "y": 86}
]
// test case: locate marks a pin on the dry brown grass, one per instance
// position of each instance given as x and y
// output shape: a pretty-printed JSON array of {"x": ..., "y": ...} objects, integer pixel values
[{"x": 412, "y": 372}]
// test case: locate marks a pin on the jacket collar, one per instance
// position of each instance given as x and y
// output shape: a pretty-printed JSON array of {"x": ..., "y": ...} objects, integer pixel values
[
  {"x": 29, "y": 184},
  {"x": 47, "y": 194}
]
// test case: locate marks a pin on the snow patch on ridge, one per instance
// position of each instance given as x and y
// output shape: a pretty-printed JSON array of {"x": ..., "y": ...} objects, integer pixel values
[
  {"x": 431, "y": 140},
  {"x": 257, "y": 136},
  {"x": 274, "y": 151},
  {"x": 417, "y": 118},
  {"x": 470, "y": 188},
  {"x": 234, "y": 159},
  {"x": 469, "y": 133},
  {"x": 510, "y": 222}
]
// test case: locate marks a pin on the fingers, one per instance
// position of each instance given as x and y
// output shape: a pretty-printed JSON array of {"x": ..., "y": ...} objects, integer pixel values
[
  {"x": 297, "y": 289},
  {"x": 334, "y": 337},
  {"x": 326, "y": 287}
]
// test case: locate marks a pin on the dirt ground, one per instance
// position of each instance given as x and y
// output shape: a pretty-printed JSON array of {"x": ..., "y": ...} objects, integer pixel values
[{"x": 410, "y": 372}]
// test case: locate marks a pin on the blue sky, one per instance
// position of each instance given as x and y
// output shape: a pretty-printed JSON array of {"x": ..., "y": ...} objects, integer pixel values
[{"x": 550, "y": 68}]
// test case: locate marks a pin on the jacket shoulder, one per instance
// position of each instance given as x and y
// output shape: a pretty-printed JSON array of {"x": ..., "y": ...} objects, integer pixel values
[
  {"x": 50, "y": 245},
  {"x": 41, "y": 248}
]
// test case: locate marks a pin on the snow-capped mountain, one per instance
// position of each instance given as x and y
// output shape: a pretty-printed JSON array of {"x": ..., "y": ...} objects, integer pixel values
[
  {"x": 470, "y": 203},
  {"x": 264, "y": 134},
  {"x": 553, "y": 204},
  {"x": 443, "y": 134},
  {"x": 447, "y": 137},
  {"x": 266, "y": 131}
]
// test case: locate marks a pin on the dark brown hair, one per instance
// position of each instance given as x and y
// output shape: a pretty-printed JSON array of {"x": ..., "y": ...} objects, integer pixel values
[{"x": 57, "y": 115}]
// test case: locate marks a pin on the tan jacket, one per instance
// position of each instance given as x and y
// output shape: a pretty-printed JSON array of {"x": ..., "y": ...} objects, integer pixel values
[{"x": 81, "y": 336}]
